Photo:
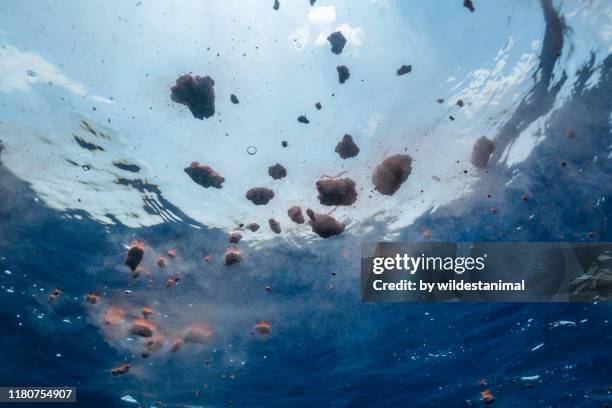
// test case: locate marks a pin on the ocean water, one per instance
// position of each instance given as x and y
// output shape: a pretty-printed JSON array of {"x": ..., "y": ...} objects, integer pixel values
[{"x": 92, "y": 159}]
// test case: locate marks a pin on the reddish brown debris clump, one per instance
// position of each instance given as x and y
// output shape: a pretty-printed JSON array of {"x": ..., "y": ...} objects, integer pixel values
[
  {"x": 55, "y": 294},
  {"x": 147, "y": 311},
  {"x": 253, "y": 227},
  {"x": 336, "y": 191},
  {"x": 204, "y": 175},
  {"x": 134, "y": 255},
  {"x": 347, "y": 148},
  {"x": 262, "y": 327},
  {"x": 482, "y": 151},
  {"x": 198, "y": 334},
  {"x": 171, "y": 253},
  {"x": 260, "y": 195},
  {"x": 277, "y": 171},
  {"x": 120, "y": 369},
  {"x": 197, "y": 93},
  {"x": 232, "y": 256},
  {"x": 487, "y": 396},
  {"x": 295, "y": 214},
  {"x": 324, "y": 225},
  {"x": 142, "y": 327},
  {"x": 392, "y": 173},
  {"x": 161, "y": 261},
  {"x": 176, "y": 345},
  {"x": 113, "y": 316},
  {"x": 92, "y": 297},
  {"x": 235, "y": 237},
  {"x": 274, "y": 226}
]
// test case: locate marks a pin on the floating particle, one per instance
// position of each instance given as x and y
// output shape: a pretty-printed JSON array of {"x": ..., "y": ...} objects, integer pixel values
[
  {"x": 312, "y": 2},
  {"x": 259, "y": 195},
  {"x": 403, "y": 70},
  {"x": 113, "y": 316},
  {"x": 295, "y": 214},
  {"x": 251, "y": 150},
  {"x": 235, "y": 237},
  {"x": 171, "y": 281},
  {"x": 120, "y": 369},
  {"x": 147, "y": 311},
  {"x": 253, "y": 227},
  {"x": 197, "y": 93},
  {"x": 204, "y": 175},
  {"x": 525, "y": 197},
  {"x": 451, "y": 117},
  {"x": 318, "y": 105},
  {"x": 198, "y": 334},
  {"x": 262, "y": 327},
  {"x": 570, "y": 134},
  {"x": 171, "y": 252},
  {"x": 208, "y": 258},
  {"x": 176, "y": 345},
  {"x": 55, "y": 294},
  {"x": 324, "y": 225},
  {"x": 481, "y": 152},
  {"x": 161, "y": 261},
  {"x": 337, "y": 42},
  {"x": 440, "y": 100},
  {"x": 303, "y": 119},
  {"x": 234, "y": 99},
  {"x": 132, "y": 168},
  {"x": 336, "y": 191},
  {"x": 274, "y": 226},
  {"x": 460, "y": 103},
  {"x": 232, "y": 256},
  {"x": 143, "y": 328},
  {"x": 343, "y": 73},
  {"x": 87, "y": 145},
  {"x": 92, "y": 297},
  {"x": 30, "y": 73},
  {"x": 152, "y": 345},
  {"x": 469, "y": 5},
  {"x": 134, "y": 255},
  {"x": 277, "y": 171},
  {"x": 347, "y": 148},
  {"x": 276, "y": 5},
  {"x": 392, "y": 173},
  {"x": 487, "y": 396},
  {"x": 284, "y": 143}
]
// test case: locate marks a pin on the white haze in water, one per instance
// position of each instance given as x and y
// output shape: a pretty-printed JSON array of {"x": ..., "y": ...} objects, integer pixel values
[{"x": 113, "y": 67}]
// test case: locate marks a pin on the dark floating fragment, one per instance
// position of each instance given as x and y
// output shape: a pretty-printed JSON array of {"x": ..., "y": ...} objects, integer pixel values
[
  {"x": 303, "y": 119},
  {"x": 127, "y": 167},
  {"x": 142, "y": 328},
  {"x": 253, "y": 227},
  {"x": 234, "y": 99},
  {"x": 274, "y": 226},
  {"x": 86, "y": 145},
  {"x": 324, "y": 225},
  {"x": 336, "y": 191},
  {"x": 343, "y": 73},
  {"x": 312, "y": 2},
  {"x": 403, "y": 70},
  {"x": 277, "y": 171},
  {"x": 469, "y": 5},
  {"x": 276, "y": 5},
  {"x": 460, "y": 103},
  {"x": 483, "y": 148},
  {"x": 204, "y": 175},
  {"x": 232, "y": 256},
  {"x": 440, "y": 100},
  {"x": 451, "y": 117},
  {"x": 92, "y": 297},
  {"x": 295, "y": 214},
  {"x": 197, "y": 93},
  {"x": 337, "y": 42},
  {"x": 134, "y": 255},
  {"x": 235, "y": 237},
  {"x": 260, "y": 195},
  {"x": 284, "y": 143},
  {"x": 120, "y": 369},
  {"x": 391, "y": 173},
  {"x": 347, "y": 148},
  {"x": 318, "y": 105}
]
